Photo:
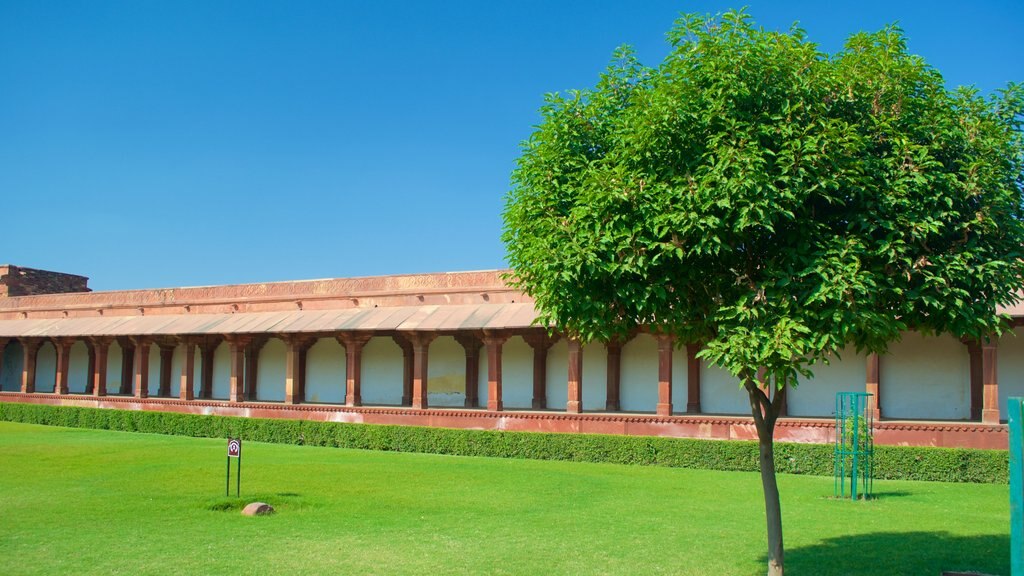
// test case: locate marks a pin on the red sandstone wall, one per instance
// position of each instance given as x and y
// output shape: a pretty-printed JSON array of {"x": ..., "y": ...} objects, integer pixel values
[{"x": 399, "y": 290}]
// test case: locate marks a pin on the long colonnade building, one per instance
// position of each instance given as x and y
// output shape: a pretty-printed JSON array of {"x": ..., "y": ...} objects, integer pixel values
[{"x": 456, "y": 350}]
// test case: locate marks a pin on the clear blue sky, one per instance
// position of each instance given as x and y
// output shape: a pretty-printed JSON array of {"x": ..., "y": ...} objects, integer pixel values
[{"x": 154, "y": 144}]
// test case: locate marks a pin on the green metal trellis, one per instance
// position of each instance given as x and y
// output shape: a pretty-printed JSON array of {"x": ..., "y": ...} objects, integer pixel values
[{"x": 854, "y": 446}]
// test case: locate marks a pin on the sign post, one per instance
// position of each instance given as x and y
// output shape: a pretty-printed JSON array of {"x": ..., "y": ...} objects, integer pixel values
[{"x": 234, "y": 451}]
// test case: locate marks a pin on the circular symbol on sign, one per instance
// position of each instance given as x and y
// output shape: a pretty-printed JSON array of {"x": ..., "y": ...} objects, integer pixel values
[{"x": 234, "y": 447}]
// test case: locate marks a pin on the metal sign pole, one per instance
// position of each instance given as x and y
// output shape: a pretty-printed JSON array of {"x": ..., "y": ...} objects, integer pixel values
[
  {"x": 238, "y": 476},
  {"x": 227, "y": 479}
]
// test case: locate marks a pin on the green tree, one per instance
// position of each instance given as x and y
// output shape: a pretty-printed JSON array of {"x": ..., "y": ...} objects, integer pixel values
[{"x": 773, "y": 203}]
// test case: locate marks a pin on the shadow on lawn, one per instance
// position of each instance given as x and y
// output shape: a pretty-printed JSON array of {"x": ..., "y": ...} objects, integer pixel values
[{"x": 910, "y": 553}]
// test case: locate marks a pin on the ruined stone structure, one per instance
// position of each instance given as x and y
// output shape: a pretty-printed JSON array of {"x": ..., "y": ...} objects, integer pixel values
[
  {"x": 457, "y": 350},
  {"x": 18, "y": 281}
]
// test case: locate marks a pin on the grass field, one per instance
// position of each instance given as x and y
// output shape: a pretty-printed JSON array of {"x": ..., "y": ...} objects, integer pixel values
[{"x": 78, "y": 501}]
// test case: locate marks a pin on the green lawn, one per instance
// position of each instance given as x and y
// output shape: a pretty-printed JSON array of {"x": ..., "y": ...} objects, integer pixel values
[{"x": 78, "y": 501}]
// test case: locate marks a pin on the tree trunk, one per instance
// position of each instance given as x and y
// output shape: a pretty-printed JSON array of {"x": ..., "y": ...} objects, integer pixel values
[
  {"x": 765, "y": 412},
  {"x": 772, "y": 505}
]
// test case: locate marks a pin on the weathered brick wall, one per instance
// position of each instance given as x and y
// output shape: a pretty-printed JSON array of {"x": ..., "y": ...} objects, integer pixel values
[{"x": 18, "y": 281}]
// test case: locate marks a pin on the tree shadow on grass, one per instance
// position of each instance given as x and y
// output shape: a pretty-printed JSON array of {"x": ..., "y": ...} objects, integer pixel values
[{"x": 909, "y": 553}]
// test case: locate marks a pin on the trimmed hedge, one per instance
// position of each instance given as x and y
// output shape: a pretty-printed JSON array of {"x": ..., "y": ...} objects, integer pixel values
[{"x": 891, "y": 462}]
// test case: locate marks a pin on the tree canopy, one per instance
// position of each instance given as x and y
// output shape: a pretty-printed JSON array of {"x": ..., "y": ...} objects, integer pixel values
[{"x": 770, "y": 201}]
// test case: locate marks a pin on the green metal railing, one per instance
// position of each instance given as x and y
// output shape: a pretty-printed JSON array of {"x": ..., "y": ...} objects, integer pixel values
[
  {"x": 1015, "y": 409},
  {"x": 854, "y": 447}
]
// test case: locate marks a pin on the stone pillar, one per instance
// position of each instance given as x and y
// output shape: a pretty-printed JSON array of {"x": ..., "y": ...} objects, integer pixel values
[
  {"x": 990, "y": 392},
  {"x": 63, "y": 347},
  {"x": 236, "y": 347},
  {"x": 166, "y": 359},
  {"x": 186, "y": 389},
  {"x": 493, "y": 342},
  {"x": 873, "y": 386},
  {"x": 692, "y": 379},
  {"x": 294, "y": 384},
  {"x": 614, "y": 369},
  {"x": 471, "y": 344},
  {"x": 575, "y": 380},
  {"x": 664, "y": 375},
  {"x": 30, "y": 349},
  {"x": 207, "y": 350},
  {"x": 540, "y": 341},
  {"x": 127, "y": 362},
  {"x": 353, "y": 344},
  {"x": 420, "y": 342},
  {"x": 252, "y": 362},
  {"x": 141, "y": 368},
  {"x": 99, "y": 376},
  {"x": 407, "y": 367}
]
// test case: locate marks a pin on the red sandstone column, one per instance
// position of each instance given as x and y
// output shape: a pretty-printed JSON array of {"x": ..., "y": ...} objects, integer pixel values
[
  {"x": 353, "y": 344},
  {"x": 188, "y": 370},
  {"x": 99, "y": 376},
  {"x": 664, "y": 375},
  {"x": 294, "y": 369},
  {"x": 977, "y": 386},
  {"x": 493, "y": 342},
  {"x": 236, "y": 347},
  {"x": 575, "y": 381},
  {"x": 420, "y": 354},
  {"x": 614, "y": 375},
  {"x": 692, "y": 379},
  {"x": 141, "y": 368},
  {"x": 471, "y": 345},
  {"x": 166, "y": 359},
  {"x": 30, "y": 348},
  {"x": 63, "y": 346},
  {"x": 127, "y": 365},
  {"x": 540, "y": 342},
  {"x": 407, "y": 367},
  {"x": 873, "y": 386},
  {"x": 989, "y": 368},
  {"x": 252, "y": 362},
  {"x": 207, "y": 350}
]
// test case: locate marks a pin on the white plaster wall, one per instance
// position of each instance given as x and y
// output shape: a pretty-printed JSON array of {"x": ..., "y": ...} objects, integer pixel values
[
  {"x": 271, "y": 371},
  {"x": 446, "y": 373},
  {"x": 153, "y": 386},
  {"x": 557, "y": 387},
  {"x": 78, "y": 368},
  {"x": 382, "y": 372},
  {"x": 1010, "y": 373},
  {"x": 595, "y": 376},
  {"x": 638, "y": 383},
  {"x": 221, "y": 371},
  {"x": 177, "y": 359},
  {"x": 926, "y": 378},
  {"x": 114, "y": 369},
  {"x": 720, "y": 392},
  {"x": 10, "y": 372},
  {"x": 595, "y": 371},
  {"x": 325, "y": 372},
  {"x": 46, "y": 368},
  {"x": 516, "y": 374},
  {"x": 680, "y": 395},
  {"x": 817, "y": 396}
]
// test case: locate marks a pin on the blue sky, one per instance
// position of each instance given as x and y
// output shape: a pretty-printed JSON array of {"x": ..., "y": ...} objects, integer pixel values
[{"x": 154, "y": 144}]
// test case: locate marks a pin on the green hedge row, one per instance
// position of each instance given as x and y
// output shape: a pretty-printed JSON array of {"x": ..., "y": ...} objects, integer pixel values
[{"x": 891, "y": 462}]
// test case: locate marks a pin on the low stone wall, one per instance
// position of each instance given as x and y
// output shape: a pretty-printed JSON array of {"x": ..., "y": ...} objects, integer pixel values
[{"x": 804, "y": 430}]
